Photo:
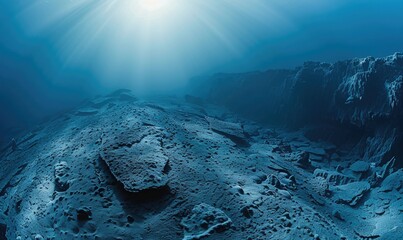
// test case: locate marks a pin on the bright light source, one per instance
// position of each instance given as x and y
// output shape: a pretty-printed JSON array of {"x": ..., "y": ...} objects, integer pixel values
[
  {"x": 148, "y": 42},
  {"x": 153, "y": 5}
]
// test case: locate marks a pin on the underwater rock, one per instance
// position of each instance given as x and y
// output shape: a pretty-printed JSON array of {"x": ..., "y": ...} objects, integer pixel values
[
  {"x": 387, "y": 169},
  {"x": 360, "y": 167},
  {"x": 247, "y": 211},
  {"x": 351, "y": 193},
  {"x": 136, "y": 158},
  {"x": 39, "y": 237},
  {"x": 203, "y": 221},
  {"x": 282, "y": 148},
  {"x": 337, "y": 215},
  {"x": 320, "y": 185},
  {"x": 302, "y": 159},
  {"x": 393, "y": 181},
  {"x": 286, "y": 194},
  {"x": 233, "y": 131},
  {"x": 13, "y": 144},
  {"x": 251, "y": 130},
  {"x": 62, "y": 176},
  {"x": 362, "y": 98},
  {"x": 320, "y": 152},
  {"x": 274, "y": 181},
  {"x": 332, "y": 177},
  {"x": 315, "y": 91},
  {"x": 259, "y": 178}
]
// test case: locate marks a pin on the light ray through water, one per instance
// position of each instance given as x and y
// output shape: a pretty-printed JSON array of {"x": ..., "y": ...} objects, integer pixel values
[{"x": 144, "y": 41}]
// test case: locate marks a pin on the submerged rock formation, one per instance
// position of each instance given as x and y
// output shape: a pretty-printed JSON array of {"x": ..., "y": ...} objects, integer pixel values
[
  {"x": 359, "y": 99},
  {"x": 119, "y": 167}
]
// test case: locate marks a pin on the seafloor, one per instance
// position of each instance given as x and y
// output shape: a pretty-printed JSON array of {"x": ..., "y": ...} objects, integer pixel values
[
  {"x": 122, "y": 168},
  {"x": 119, "y": 167}
]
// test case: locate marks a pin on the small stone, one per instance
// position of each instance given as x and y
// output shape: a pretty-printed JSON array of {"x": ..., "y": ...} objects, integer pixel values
[
  {"x": 259, "y": 178},
  {"x": 337, "y": 215},
  {"x": 38, "y": 237},
  {"x": 302, "y": 160},
  {"x": 274, "y": 181},
  {"x": 284, "y": 193}
]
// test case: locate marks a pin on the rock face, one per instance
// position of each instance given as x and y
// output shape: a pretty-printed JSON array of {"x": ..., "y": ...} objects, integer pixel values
[
  {"x": 361, "y": 96},
  {"x": 357, "y": 91},
  {"x": 204, "y": 220}
]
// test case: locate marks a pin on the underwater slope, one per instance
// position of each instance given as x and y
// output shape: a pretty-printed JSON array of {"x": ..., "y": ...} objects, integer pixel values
[{"x": 123, "y": 168}]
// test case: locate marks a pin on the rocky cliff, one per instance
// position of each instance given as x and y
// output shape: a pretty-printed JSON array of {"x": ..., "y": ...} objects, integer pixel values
[{"x": 357, "y": 99}]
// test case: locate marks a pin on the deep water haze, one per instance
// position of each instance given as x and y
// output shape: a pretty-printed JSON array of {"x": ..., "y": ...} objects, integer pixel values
[{"x": 53, "y": 54}]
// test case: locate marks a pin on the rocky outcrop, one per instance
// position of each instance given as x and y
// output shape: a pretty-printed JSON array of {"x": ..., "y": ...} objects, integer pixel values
[
  {"x": 233, "y": 131},
  {"x": 363, "y": 96},
  {"x": 135, "y": 156}
]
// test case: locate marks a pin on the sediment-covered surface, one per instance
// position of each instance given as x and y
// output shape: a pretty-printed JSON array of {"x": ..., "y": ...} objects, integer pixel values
[{"x": 123, "y": 168}]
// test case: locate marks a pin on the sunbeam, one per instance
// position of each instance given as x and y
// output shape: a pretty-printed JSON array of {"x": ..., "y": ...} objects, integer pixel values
[{"x": 143, "y": 41}]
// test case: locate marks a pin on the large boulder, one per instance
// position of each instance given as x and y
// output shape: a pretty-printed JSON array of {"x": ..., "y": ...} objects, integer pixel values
[
  {"x": 351, "y": 193},
  {"x": 136, "y": 158}
]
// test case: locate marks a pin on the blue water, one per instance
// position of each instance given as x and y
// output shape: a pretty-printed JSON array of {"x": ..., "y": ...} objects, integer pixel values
[{"x": 54, "y": 54}]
